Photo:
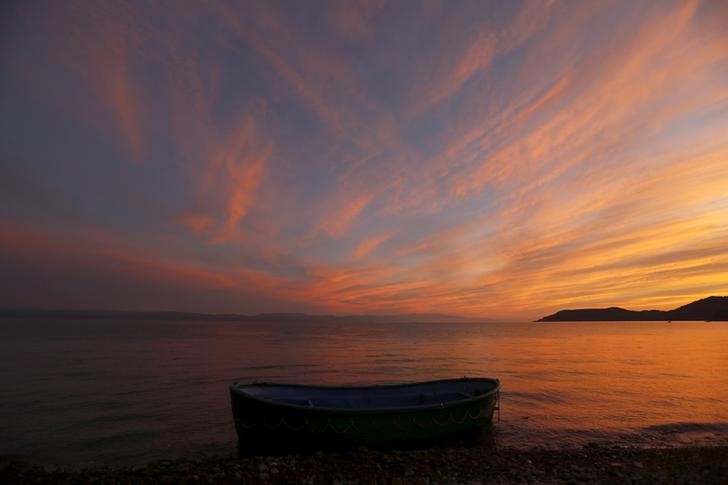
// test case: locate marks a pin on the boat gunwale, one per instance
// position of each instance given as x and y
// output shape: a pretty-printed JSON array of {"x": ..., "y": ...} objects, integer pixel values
[{"x": 234, "y": 389}]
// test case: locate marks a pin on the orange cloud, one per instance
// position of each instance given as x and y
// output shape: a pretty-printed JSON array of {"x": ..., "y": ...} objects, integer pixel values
[
  {"x": 341, "y": 219},
  {"x": 99, "y": 45},
  {"x": 119, "y": 93},
  {"x": 245, "y": 182},
  {"x": 196, "y": 222},
  {"x": 353, "y": 20},
  {"x": 314, "y": 73},
  {"x": 478, "y": 53},
  {"x": 367, "y": 246},
  {"x": 529, "y": 164},
  {"x": 230, "y": 167},
  {"x": 529, "y": 21},
  {"x": 592, "y": 123},
  {"x": 450, "y": 77}
]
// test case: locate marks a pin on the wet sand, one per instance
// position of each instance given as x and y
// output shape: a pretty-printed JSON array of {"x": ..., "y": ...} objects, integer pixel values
[{"x": 591, "y": 464}]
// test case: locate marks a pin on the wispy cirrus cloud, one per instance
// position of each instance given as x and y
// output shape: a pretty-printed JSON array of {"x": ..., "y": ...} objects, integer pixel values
[
  {"x": 237, "y": 168},
  {"x": 506, "y": 160},
  {"x": 368, "y": 245},
  {"x": 343, "y": 216},
  {"x": 100, "y": 47}
]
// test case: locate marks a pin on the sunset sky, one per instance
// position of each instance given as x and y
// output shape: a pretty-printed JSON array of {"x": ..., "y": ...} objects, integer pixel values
[{"x": 496, "y": 159}]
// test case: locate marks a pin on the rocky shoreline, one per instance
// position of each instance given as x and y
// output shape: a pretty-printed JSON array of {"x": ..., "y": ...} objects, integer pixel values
[{"x": 591, "y": 464}]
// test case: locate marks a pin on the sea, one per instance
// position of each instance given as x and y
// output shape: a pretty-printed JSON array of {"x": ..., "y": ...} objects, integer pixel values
[{"x": 84, "y": 392}]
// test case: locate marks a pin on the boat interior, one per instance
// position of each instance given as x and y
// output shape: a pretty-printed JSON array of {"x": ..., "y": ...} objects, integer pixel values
[{"x": 423, "y": 394}]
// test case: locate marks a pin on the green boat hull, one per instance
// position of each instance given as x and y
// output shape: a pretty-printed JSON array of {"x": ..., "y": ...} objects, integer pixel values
[{"x": 265, "y": 423}]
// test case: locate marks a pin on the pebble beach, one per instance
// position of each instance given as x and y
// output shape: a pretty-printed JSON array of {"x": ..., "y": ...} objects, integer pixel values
[{"x": 589, "y": 464}]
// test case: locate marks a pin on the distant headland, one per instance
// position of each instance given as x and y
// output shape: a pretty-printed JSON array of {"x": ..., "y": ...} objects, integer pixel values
[
  {"x": 260, "y": 317},
  {"x": 713, "y": 308}
]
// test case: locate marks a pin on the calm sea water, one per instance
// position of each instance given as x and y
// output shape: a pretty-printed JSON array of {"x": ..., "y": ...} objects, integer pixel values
[{"x": 77, "y": 392}]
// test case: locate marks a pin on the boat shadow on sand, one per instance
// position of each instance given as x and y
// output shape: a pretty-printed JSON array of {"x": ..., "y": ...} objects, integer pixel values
[{"x": 484, "y": 438}]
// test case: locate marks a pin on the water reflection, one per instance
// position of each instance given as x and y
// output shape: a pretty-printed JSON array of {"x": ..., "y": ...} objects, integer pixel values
[{"x": 136, "y": 390}]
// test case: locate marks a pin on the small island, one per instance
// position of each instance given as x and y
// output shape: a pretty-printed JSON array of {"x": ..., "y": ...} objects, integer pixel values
[{"x": 713, "y": 308}]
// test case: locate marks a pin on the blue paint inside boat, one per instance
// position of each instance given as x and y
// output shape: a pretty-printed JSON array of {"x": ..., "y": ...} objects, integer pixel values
[{"x": 374, "y": 397}]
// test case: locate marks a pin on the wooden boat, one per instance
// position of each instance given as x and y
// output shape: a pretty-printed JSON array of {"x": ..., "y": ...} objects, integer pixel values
[{"x": 415, "y": 413}]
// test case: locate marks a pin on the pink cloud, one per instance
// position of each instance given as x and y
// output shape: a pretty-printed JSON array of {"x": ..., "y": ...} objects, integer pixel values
[{"x": 368, "y": 245}]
